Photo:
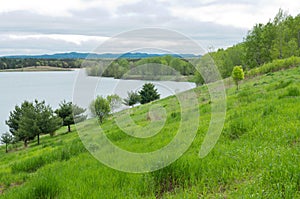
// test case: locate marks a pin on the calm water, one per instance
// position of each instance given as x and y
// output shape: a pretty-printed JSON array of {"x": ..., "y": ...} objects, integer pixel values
[{"x": 53, "y": 87}]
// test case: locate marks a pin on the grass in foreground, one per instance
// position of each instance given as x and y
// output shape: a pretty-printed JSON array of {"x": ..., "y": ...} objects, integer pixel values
[{"x": 257, "y": 155}]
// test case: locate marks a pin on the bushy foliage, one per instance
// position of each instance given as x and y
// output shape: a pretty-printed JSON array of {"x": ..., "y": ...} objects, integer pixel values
[
  {"x": 115, "y": 101},
  {"x": 276, "y": 65},
  {"x": 292, "y": 91},
  {"x": 237, "y": 75},
  {"x": 6, "y": 139},
  {"x": 132, "y": 98},
  {"x": 265, "y": 45},
  {"x": 100, "y": 108},
  {"x": 121, "y": 66},
  {"x": 32, "y": 119},
  {"x": 14, "y": 63}
]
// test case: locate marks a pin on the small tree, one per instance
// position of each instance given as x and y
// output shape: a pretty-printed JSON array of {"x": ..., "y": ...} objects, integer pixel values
[
  {"x": 198, "y": 79},
  {"x": 78, "y": 115},
  {"x": 6, "y": 139},
  {"x": 148, "y": 93},
  {"x": 18, "y": 116},
  {"x": 28, "y": 127},
  {"x": 100, "y": 107},
  {"x": 15, "y": 116},
  {"x": 47, "y": 122},
  {"x": 132, "y": 98},
  {"x": 114, "y": 101},
  {"x": 70, "y": 113},
  {"x": 237, "y": 75}
]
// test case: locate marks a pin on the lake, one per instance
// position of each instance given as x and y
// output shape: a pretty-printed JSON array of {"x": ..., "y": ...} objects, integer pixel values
[{"x": 54, "y": 87}]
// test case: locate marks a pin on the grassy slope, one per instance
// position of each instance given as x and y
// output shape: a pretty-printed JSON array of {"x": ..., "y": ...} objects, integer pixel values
[{"x": 257, "y": 156}]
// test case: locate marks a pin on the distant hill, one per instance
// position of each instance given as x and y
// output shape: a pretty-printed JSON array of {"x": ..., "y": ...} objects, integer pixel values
[{"x": 76, "y": 55}]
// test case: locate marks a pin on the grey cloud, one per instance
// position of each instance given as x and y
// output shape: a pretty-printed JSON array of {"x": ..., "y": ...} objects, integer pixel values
[
  {"x": 146, "y": 9},
  {"x": 42, "y": 45},
  {"x": 100, "y": 22},
  {"x": 208, "y": 3}
]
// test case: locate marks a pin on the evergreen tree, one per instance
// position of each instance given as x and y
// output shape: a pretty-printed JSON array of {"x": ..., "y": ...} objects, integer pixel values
[
  {"x": 70, "y": 113},
  {"x": 31, "y": 120},
  {"x": 148, "y": 93}
]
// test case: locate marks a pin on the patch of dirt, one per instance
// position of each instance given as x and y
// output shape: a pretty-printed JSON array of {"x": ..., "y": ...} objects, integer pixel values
[
  {"x": 295, "y": 142},
  {"x": 1, "y": 189},
  {"x": 166, "y": 186},
  {"x": 12, "y": 185}
]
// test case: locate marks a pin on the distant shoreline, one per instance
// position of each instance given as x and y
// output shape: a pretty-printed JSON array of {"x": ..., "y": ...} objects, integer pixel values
[{"x": 37, "y": 69}]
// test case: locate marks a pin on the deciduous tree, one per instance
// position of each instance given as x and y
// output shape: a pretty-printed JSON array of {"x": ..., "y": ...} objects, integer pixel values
[
  {"x": 237, "y": 75},
  {"x": 100, "y": 107},
  {"x": 6, "y": 139}
]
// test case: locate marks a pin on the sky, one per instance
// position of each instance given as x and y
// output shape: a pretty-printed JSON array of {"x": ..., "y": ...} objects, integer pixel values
[{"x": 52, "y": 26}]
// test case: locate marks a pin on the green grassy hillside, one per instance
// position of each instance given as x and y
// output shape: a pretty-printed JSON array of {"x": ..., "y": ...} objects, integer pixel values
[{"x": 257, "y": 155}]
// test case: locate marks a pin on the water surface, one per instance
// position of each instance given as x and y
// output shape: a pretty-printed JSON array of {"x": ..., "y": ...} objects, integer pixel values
[{"x": 54, "y": 87}]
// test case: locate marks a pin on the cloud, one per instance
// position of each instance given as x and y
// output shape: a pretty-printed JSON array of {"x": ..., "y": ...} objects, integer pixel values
[
  {"x": 81, "y": 25},
  {"x": 58, "y": 8},
  {"x": 13, "y": 44},
  {"x": 236, "y": 13},
  {"x": 74, "y": 39}
]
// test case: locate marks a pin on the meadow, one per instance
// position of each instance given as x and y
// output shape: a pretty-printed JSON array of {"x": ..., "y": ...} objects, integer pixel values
[{"x": 257, "y": 155}]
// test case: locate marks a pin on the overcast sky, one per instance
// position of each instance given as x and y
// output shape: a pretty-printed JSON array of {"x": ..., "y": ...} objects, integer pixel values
[{"x": 51, "y": 26}]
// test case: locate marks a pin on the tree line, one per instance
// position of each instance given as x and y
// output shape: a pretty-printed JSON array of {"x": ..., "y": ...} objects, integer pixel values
[
  {"x": 265, "y": 43},
  {"x": 15, "y": 63},
  {"x": 150, "y": 66},
  {"x": 32, "y": 119}
]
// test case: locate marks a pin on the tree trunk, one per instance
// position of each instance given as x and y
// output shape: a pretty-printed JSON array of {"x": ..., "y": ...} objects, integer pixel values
[
  {"x": 69, "y": 128},
  {"x": 38, "y": 139},
  {"x": 6, "y": 148},
  {"x": 25, "y": 143}
]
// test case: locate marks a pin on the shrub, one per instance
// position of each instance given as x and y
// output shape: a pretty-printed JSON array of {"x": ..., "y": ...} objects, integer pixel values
[
  {"x": 236, "y": 129},
  {"x": 283, "y": 84},
  {"x": 291, "y": 92},
  {"x": 35, "y": 162},
  {"x": 175, "y": 114},
  {"x": 237, "y": 75},
  {"x": 275, "y": 65},
  {"x": 268, "y": 110},
  {"x": 44, "y": 186},
  {"x": 28, "y": 165}
]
